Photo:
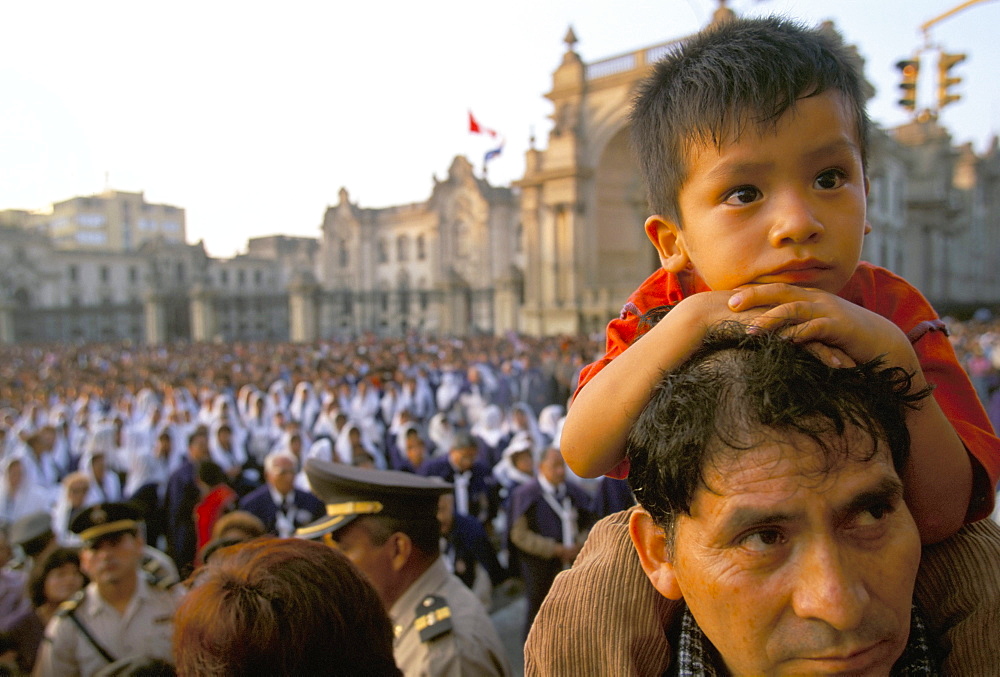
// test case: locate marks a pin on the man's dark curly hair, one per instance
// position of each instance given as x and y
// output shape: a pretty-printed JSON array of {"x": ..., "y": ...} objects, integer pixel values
[{"x": 741, "y": 390}]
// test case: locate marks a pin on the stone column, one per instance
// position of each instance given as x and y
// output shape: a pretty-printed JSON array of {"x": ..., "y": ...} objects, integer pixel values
[
  {"x": 155, "y": 318},
  {"x": 6, "y": 323},
  {"x": 203, "y": 326},
  {"x": 303, "y": 309}
]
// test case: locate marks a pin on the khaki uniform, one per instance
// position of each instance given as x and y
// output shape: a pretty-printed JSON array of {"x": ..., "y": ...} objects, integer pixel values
[
  {"x": 145, "y": 628},
  {"x": 442, "y": 629}
]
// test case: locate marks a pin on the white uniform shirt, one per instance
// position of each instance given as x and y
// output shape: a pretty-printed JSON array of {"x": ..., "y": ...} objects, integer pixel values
[
  {"x": 471, "y": 647},
  {"x": 145, "y": 628}
]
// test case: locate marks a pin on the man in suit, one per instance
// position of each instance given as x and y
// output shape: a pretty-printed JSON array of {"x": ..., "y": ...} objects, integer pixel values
[
  {"x": 467, "y": 551},
  {"x": 182, "y": 497},
  {"x": 279, "y": 505},
  {"x": 549, "y": 523},
  {"x": 471, "y": 478}
]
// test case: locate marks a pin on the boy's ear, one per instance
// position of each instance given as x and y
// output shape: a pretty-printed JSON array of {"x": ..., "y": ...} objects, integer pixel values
[
  {"x": 651, "y": 545},
  {"x": 868, "y": 187},
  {"x": 665, "y": 235}
]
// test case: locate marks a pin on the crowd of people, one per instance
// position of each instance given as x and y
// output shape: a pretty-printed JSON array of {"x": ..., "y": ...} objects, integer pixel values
[
  {"x": 196, "y": 435},
  {"x": 199, "y": 437}
]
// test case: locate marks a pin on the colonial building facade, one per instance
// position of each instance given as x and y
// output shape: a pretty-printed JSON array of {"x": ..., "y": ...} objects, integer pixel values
[{"x": 557, "y": 252}]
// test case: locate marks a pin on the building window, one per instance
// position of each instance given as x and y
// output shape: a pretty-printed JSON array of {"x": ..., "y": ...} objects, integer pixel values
[
  {"x": 224, "y": 277},
  {"x": 402, "y": 248},
  {"x": 257, "y": 277},
  {"x": 421, "y": 248},
  {"x": 133, "y": 274},
  {"x": 241, "y": 277},
  {"x": 180, "y": 272},
  {"x": 383, "y": 253},
  {"x": 105, "y": 274},
  {"x": 74, "y": 273}
]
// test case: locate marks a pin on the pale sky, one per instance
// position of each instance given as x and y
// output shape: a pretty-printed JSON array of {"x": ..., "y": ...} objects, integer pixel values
[{"x": 251, "y": 116}]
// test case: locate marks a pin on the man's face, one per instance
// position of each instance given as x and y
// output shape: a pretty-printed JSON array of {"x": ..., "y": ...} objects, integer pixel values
[
  {"x": 112, "y": 558},
  {"x": 415, "y": 450},
  {"x": 786, "y": 205},
  {"x": 198, "y": 449},
  {"x": 789, "y": 569},
  {"x": 281, "y": 476},
  {"x": 463, "y": 458},
  {"x": 553, "y": 468},
  {"x": 374, "y": 561}
]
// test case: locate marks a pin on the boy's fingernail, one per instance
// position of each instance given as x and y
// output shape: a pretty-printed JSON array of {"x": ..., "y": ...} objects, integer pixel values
[{"x": 735, "y": 300}]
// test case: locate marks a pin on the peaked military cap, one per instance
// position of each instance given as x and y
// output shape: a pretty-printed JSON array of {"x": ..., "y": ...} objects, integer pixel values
[
  {"x": 104, "y": 519},
  {"x": 350, "y": 492}
]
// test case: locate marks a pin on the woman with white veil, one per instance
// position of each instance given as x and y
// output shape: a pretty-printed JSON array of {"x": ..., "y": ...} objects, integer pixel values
[
  {"x": 441, "y": 433},
  {"x": 71, "y": 502},
  {"x": 304, "y": 407},
  {"x": 105, "y": 485},
  {"x": 18, "y": 495},
  {"x": 353, "y": 445},
  {"x": 490, "y": 433},
  {"x": 522, "y": 419}
]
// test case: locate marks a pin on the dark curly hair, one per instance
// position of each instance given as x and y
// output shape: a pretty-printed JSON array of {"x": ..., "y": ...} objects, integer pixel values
[{"x": 741, "y": 389}]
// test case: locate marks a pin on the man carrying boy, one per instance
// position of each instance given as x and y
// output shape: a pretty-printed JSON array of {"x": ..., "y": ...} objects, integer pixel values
[
  {"x": 752, "y": 140},
  {"x": 773, "y": 506}
]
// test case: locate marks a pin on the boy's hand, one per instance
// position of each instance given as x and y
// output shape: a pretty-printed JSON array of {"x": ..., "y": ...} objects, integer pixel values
[{"x": 839, "y": 332}]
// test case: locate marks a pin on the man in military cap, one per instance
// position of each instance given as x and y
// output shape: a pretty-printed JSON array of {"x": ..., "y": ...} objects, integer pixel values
[
  {"x": 119, "y": 614},
  {"x": 386, "y": 523}
]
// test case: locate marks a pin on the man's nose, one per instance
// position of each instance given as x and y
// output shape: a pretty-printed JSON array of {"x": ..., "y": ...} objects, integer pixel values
[
  {"x": 794, "y": 220},
  {"x": 830, "y": 588}
]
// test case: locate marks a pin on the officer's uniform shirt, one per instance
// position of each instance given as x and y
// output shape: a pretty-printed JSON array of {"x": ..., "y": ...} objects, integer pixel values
[
  {"x": 470, "y": 646},
  {"x": 145, "y": 628}
]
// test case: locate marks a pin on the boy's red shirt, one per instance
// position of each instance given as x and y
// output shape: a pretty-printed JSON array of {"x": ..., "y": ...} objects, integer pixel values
[{"x": 893, "y": 298}]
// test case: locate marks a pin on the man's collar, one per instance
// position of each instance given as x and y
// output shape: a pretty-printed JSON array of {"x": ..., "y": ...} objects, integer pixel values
[
  {"x": 547, "y": 486},
  {"x": 695, "y": 656}
]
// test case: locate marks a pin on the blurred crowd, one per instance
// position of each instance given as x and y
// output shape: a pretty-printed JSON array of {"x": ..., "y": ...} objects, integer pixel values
[
  {"x": 195, "y": 434},
  {"x": 190, "y": 433}
]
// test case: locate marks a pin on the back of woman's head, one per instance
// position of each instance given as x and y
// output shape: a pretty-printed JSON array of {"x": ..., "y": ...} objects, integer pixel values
[{"x": 282, "y": 607}]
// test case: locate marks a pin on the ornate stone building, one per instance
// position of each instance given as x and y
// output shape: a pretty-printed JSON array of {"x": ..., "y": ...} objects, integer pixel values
[
  {"x": 450, "y": 265},
  {"x": 559, "y": 251}
]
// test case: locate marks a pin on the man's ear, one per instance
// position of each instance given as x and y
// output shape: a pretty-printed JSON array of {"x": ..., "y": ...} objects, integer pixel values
[
  {"x": 651, "y": 545},
  {"x": 665, "y": 235},
  {"x": 402, "y": 547}
]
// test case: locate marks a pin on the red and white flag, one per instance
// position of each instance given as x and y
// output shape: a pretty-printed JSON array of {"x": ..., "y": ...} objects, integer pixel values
[{"x": 476, "y": 128}]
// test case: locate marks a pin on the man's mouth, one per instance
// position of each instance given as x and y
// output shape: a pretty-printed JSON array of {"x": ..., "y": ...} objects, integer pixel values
[{"x": 847, "y": 660}]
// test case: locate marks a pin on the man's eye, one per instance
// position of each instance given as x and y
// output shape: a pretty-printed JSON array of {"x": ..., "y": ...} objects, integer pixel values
[
  {"x": 874, "y": 514},
  {"x": 830, "y": 179},
  {"x": 742, "y": 196},
  {"x": 762, "y": 539}
]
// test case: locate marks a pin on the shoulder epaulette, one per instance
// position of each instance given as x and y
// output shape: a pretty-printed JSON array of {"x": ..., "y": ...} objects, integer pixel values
[
  {"x": 433, "y": 618},
  {"x": 70, "y": 605}
]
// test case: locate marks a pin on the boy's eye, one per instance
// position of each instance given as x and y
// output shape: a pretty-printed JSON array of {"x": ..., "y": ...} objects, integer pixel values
[
  {"x": 830, "y": 179},
  {"x": 742, "y": 196}
]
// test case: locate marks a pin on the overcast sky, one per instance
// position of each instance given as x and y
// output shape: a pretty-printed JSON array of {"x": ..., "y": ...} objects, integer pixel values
[{"x": 252, "y": 116}]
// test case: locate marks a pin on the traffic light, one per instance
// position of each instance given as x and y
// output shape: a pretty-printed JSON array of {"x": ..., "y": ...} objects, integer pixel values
[
  {"x": 946, "y": 81},
  {"x": 910, "y": 68}
]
